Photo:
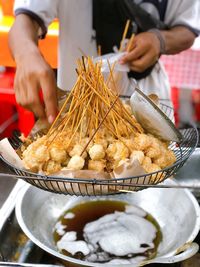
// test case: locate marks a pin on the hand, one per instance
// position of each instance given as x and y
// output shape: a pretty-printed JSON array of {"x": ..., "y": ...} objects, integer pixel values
[
  {"x": 144, "y": 52},
  {"x": 33, "y": 73}
]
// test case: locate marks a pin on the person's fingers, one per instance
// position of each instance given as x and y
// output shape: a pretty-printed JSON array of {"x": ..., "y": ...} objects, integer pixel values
[
  {"x": 133, "y": 55},
  {"x": 48, "y": 85},
  {"x": 34, "y": 103},
  {"x": 136, "y": 53},
  {"x": 29, "y": 79},
  {"x": 20, "y": 90},
  {"x": 143, "y": 63},
  {"x": 26, "y": 93}
]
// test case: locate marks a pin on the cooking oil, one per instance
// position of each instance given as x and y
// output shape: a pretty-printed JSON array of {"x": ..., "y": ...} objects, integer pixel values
[{"x": 76, "y": 218}]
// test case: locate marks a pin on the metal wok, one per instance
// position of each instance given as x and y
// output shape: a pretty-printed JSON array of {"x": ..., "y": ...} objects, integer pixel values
[{"x": 176, "y": 211}]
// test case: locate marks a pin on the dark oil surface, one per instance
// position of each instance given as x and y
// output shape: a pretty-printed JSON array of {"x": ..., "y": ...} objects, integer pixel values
[{"x": 89, "y": 211}]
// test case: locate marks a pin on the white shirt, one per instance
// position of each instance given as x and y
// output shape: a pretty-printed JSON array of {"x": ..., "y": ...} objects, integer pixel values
[{"x": 75, "y": 17}]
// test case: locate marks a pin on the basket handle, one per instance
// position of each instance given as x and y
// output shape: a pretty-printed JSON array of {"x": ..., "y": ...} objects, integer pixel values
[{"x": 187, "y": 251}]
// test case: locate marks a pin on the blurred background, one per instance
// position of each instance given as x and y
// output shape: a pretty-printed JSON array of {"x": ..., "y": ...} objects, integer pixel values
[{"x": 183, "y": 70}]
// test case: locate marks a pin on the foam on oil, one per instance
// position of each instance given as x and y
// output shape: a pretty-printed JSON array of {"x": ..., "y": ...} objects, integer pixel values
[{"x": 107, "y": 231}]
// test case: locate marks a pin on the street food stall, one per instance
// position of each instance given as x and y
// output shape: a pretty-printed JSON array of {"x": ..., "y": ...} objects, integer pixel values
[{"x": 112, "y": 181}]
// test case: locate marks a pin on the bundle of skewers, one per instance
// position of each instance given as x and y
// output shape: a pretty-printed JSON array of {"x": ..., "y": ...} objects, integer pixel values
[{"x": 95, "y": 130}]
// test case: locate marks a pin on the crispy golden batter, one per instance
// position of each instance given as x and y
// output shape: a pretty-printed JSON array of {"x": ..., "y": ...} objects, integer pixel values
[
  {"x": 97, "y": 152},
  {"x": 96, "y": 165},
  {"x": 77, "y": 150},
  {"x": 103, "y": 153},
  {"x": 117, "y": 151},
  {"x": 142, "y": 142},
  {"x": 76, "y": 163}
]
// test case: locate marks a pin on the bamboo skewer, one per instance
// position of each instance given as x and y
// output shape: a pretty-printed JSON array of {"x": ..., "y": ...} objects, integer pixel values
[
  {"x": 130, "y": 43},
  {"x": 64, "y": 105},
  {"x": 124, "y": 35},
  {"x": 99, "y": 50}
]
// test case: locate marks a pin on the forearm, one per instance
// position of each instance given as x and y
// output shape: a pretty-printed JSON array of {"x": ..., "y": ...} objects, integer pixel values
[
  {"x": 33, "y": 72},
  {"x": 177, "y": 39},
  {"x": 23, "y": 37}
]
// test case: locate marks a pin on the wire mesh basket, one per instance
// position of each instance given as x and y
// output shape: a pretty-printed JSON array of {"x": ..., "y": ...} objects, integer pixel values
[{"x": 95, "y": 187}]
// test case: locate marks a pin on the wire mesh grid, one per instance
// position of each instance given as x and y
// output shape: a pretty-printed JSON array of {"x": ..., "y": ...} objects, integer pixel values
[{"x": 95, "y": 187}]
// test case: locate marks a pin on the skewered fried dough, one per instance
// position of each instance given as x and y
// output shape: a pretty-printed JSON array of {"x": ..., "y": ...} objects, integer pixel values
[{"x": 95, "y": 130}]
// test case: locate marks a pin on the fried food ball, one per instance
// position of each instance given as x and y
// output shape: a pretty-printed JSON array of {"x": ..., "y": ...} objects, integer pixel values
[
  {"x": 97, "y": 152},
  {"x": 42, "y": 153},
  {"x": 96, "y": 165},
  {"x": 139, "y": 155},
  {"x": 161, "y": 161},
  {"x": 35, "y": 155},
  {"x": 31, "y": 164},
  {"x": 117, "y": 151},
  {"x": 76, "y": 163},
  {"x": 129, "y": 142},
  {"x": 101, "y": 141},
  {"x": 157, "y": 176},
  {"x": 153, "y": 151},
  {"x": 171, "y": 158},
  {"x": 146, "y": 163},
  {"x": 168, "y": 158},
  {"x": 153, "y": 168},
  {"x": 77, "y": 150},
  {"x": 51, "y": 167},
  {"x": 142, "y": 142},
  {"x": 58, "y": 154}
]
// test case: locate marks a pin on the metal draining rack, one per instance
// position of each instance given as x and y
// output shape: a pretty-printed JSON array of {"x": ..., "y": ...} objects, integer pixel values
[{"x": 95, "y": 187}]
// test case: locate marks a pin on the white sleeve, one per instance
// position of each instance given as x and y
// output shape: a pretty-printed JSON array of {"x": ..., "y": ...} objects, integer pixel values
[
  {"x": 42, "y": 11},
  {"x": 184, "y": 13}
]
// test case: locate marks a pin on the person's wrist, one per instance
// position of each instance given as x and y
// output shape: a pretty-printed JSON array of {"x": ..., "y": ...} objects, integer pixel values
[
  {"x": 161, "y": 40},
  {"x": 26, "y": 52}
]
